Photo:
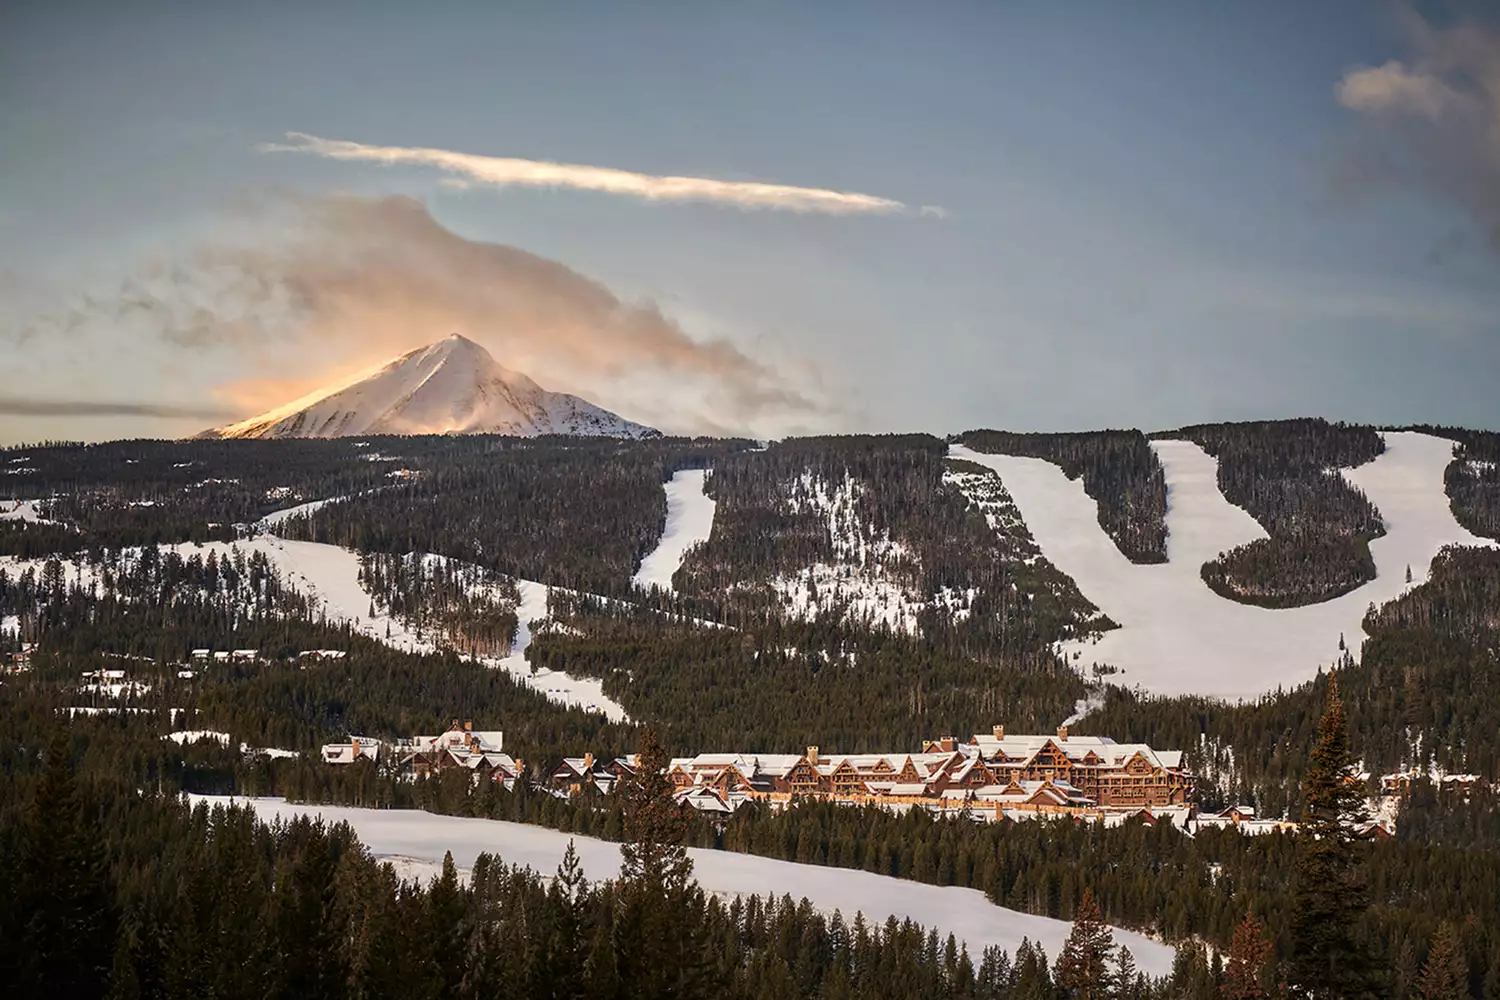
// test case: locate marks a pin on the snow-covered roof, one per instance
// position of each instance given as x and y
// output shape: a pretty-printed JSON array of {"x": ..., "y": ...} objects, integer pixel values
[
  {"x": 348, "y": 753},
  {"x": 1022, "y": 747}
]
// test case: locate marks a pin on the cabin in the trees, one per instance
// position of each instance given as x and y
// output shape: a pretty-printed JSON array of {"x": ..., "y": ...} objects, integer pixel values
[{"x": 574, "y": 774}]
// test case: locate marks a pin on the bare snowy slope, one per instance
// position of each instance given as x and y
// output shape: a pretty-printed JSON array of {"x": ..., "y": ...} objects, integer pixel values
[
  {"x": 690, "y": 520},
  {"x": 1179, "y": 637},
  {"x": 451, "y": 387}
]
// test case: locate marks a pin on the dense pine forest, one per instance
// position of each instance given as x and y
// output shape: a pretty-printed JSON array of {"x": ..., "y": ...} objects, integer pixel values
[
  {"x": 861, "y": 592},
  {"x": 575, "y": 512},
  {"x": 1119, "y": 471},
  {"x": 810, "y": 526},
  {"x": 1285, "y": 473}
]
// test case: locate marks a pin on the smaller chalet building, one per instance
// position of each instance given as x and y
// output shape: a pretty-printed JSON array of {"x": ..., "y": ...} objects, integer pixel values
[
  {"x": 358, "y": 748},
  {"x": 574, "y": 774},
  {"x": 462, "y": 747}
]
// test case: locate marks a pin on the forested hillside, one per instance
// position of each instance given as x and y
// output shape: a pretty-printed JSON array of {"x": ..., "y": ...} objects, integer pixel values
[
  {"x": 777, "y": 684},
  {"x": 863, "y": 593},
  {"x": 153, "y": 492},
  {"x": 1285, "y": 473},
  {"x": 881, "y": 532},
  {"x": 576, "y": 512},
  {"x": 1119, "y": 471}
]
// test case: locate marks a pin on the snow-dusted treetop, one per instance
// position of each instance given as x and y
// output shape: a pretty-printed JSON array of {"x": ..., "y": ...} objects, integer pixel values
[{"x": 451, "y": 387}]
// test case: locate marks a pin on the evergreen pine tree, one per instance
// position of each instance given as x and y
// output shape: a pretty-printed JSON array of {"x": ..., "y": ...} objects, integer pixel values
[
  {"x": 1128, "y": 984},
  {"x": 1329, "y": 962},
  {"x": 1251, "y": 959},
  {"x": 304, "y": 927},
  {"x": 1445, "y": 976},
  {"x": 1083, "y": 965},
  {"x": 567, "y": 952},
  {"x": 656, "y": 932},
  {"x": 447, "y": 908},
  {"x": 63, "y": 901}
]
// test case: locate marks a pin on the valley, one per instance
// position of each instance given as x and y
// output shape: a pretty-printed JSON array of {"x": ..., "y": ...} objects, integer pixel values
[{"x": 844, "y": 593}]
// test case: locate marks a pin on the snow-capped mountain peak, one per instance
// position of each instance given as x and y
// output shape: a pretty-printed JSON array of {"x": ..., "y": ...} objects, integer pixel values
[{"x": 453, "y": 386}]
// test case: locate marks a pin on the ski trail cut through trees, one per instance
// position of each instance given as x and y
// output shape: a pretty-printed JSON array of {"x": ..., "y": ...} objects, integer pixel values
[
  {"x": 690, "y": 520},
  {"x": 1179, "y": 637},
  {"x": 565, "y": 689}
]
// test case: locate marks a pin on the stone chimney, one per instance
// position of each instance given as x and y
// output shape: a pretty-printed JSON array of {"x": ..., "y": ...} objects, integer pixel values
[
  {"x": 1062, "y": 733},
  {"x": 948, "y": 743},
  {"x": 455, "y": 723},
  {"x": 999, "y": 732},
  {"x": 812, "y": 754},
  {"x": 468, "y": 725},
  {"x": 354, "y": 742},
  {"x": 588, "y": 760}
]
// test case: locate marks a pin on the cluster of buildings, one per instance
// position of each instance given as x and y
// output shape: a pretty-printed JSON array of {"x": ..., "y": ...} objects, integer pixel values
[
  {"x": 1400, "y": 782},
  {"x": 989, "y": 776},
  {"x": 463, "y": 748}
]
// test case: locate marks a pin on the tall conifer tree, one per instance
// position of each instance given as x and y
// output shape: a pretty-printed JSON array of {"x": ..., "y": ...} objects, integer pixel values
[
  {"x": 1329, "y": 961},
  {"x": 1445, "y": 976},
  {"x": 1083, "y": 966}
]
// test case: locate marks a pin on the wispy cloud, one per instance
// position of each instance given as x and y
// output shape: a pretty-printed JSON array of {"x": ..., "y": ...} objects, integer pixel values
[
  {"x": 498, "y": 171},
  {"x": 11, "y": 406},
  {"x": 1433, "y": 119}
]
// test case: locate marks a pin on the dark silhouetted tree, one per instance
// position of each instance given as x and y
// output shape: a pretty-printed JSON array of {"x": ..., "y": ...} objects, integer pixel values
[
  {"x": 1445, "y": 976},
  {"x": 1330, "y": 897}
]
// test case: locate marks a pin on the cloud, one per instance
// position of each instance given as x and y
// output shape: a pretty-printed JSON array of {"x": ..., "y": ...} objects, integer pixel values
[
  {"x": 1432, "y": 121},
  {"x": 1394, "y": 89},
  {"x": 300, "y": 290},
  {"x": 495, "y": 171},
  {"x": 11, "y": 406}
]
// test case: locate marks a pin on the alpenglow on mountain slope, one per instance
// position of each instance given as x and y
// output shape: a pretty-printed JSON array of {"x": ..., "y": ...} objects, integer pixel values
[{"x": 451, "y": 387}]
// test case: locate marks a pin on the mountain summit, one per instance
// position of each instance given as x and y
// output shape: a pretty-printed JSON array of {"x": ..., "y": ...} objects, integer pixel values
[{"x": 451, "y": 387}]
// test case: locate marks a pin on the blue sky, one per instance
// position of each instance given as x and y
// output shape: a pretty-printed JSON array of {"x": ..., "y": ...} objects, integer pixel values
[{"x": 1148, "y": 214}]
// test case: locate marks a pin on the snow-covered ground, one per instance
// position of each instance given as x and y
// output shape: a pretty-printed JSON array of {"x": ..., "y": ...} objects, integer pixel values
[
  {"x": 275, "y": 753},
  {"x": 23, "y": 510},
  {"x": 330, "y": 575},
  {"x": 870, "y": 572},
  {"x": 418, "y": 841},
  {"x": 1176, "y": 635},
  {"x": 565, "y": 689},
  {"x": 273, "y": 520},
  {"x": 690, "y": 519},
  {"x": 185, "y": 736}
]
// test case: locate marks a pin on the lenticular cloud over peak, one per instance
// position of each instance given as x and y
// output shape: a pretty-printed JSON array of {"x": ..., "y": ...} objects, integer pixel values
[{"x": 498, "y": 171}]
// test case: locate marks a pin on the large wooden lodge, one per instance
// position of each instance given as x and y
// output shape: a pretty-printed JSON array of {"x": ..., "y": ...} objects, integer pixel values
[
  {"x": 993, "y": 774},
  {"x": 994, "y": 771}
]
